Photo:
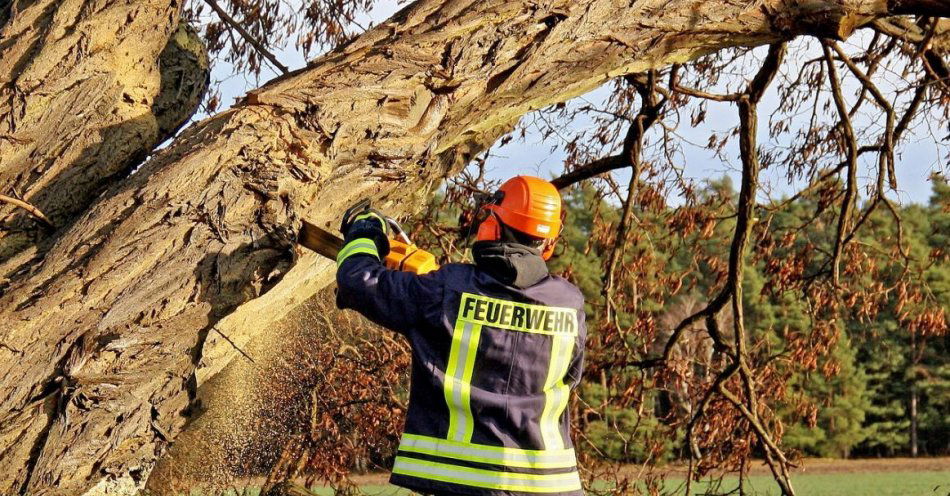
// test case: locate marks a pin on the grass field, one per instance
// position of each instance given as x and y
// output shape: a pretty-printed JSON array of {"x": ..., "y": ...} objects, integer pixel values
[
  {"x": 853, "y": 484},
  {"x": 846, "y": 484},
  {"x": 816, "y": 477}
]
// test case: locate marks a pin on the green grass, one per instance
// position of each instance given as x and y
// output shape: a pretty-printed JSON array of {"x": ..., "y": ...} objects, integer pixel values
[{"x": 844, "y": 484}]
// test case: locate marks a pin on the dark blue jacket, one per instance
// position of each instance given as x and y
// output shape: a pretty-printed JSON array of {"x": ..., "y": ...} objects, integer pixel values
[{"x": 493, "y": 365}]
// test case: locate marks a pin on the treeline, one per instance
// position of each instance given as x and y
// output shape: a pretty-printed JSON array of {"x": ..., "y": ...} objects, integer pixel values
[{"x": 879, "y": 387}]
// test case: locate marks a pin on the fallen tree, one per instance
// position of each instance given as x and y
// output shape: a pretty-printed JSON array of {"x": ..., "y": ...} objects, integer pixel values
[{"x": 111, "y": 327}]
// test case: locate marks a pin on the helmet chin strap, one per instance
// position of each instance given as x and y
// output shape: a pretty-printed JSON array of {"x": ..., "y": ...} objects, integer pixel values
[{"x": 547, "y": 249}]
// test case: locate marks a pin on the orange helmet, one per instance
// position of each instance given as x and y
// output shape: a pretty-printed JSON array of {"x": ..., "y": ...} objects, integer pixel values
[{"x": 526, "y": 204}]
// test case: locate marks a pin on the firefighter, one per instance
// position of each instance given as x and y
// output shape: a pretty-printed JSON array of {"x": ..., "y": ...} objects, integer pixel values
[{"x": 497, "y": 347}]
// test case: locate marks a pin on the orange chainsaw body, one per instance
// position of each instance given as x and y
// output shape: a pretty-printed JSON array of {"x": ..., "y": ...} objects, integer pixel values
[{"x": 409, "y": 258}]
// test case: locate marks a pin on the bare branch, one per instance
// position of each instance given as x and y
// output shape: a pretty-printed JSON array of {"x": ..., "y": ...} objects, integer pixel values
[
  {"x": 932, "y": 8},
  {"x": 35, "y": 212},
  {"x": 937, "y": 68},
  {"x": 675, "y": 87},
  {"x": 595, "y": 168},
  {"x": 766, "y": 74},
  {"x": 850, "y": 141},
  {"x": 887, "y": 154},
  {"x": 647, "y": 116},
  {"x": 230, "y": 21},
  {"x": 905, "y": 121}
]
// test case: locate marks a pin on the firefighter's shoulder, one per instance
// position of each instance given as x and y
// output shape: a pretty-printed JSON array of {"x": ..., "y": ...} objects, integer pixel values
[{"x": 571, "y": 294}]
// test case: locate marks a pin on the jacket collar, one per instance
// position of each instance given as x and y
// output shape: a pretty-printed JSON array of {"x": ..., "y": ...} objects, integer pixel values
[{"x": 511, "y": 263}]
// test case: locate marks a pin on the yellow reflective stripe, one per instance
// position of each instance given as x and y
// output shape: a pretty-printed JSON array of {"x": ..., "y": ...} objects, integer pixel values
[
  {"x": 494, "y": 455},
  {"x": 458, "y": 380},
  {"x": 359, "y": 245},
  {"x": 451, "y": 371},
  {"x": 556, "y": 392},
  {"x": 370, "y": 215},
  {"x": 514, "y": 316},
  {"x": 466, "y": 386},
  {"x": 488, "y": 479}
]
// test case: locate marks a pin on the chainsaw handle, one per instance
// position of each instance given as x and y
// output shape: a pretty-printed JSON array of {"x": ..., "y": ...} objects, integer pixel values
[
  {"x": 364, "y": 205},
  {"x": 361, "y": 206},
  {"x": 398, "y": 230}
]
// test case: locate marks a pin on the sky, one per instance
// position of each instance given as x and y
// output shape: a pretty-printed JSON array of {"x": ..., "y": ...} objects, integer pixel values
[{"x": 920, "y": 156}]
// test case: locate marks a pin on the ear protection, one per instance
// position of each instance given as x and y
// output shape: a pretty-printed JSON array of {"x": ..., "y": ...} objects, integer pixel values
[{"x": 489, "y": 229}]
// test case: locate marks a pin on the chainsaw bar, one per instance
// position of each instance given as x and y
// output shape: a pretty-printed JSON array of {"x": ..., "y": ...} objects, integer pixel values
[{"x": 320, "y": 240}]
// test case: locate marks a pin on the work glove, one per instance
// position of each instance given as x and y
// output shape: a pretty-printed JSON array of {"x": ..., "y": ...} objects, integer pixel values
[{"x": 368, "y": 223}]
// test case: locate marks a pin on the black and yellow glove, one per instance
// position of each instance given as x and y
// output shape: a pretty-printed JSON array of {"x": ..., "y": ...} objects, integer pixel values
[{"x": 367, "y": 224}]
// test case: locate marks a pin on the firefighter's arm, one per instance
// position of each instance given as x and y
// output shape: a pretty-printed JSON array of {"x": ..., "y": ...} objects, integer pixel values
[{"x": 393, "y": 299}]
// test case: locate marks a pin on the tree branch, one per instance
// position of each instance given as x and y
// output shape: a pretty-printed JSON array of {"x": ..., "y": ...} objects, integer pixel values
[
  {"x": 595, "y": 168},
  {"x": 35, "y": 212},
  {"x": 847, "y": 203},
  {"x": 931, "y": 44},
  {"x": 675, "y": 87},
  {"x": 247, "y": 36},
  {"x": 887, "y": 153},
  {"x": 745, "y": 218},
  {"x": 632, "y": 145},
  {"x": 645, "y": 85},
  {"x": 932, "y": 8}
]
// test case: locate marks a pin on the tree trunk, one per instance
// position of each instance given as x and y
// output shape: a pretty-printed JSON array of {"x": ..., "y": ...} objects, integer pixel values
[
  {"x": 913, "y": 418},
  {"x": 107, "y": 337},
  {"x": 87, "y": 89},
  {"x": 913, "y": 394}
]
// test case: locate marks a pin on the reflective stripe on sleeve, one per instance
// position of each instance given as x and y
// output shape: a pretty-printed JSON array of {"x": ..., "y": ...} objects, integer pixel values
[
  {"x": 458, "y": 380},
  {"x": 556, "y": 392},
  {"x": 488, "y": 479},
  {"x": 359, "y": 245},
  {"x": 493, "y": 455}
]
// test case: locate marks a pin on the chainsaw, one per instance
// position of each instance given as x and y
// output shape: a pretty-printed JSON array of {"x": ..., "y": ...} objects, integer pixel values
[{"x": 403, "y": 255}]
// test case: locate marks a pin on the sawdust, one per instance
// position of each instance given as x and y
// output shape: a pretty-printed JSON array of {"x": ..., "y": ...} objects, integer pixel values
[
  {"x": 249, "y": 411},
  {"x": 323, "y": 394}
]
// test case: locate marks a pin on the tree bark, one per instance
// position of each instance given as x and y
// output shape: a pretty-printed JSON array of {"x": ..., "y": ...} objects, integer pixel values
[
  {"x": 913, "y": 394},
  {"x": 87, "y": 89},
  {"x": 114, "y": 329}
]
